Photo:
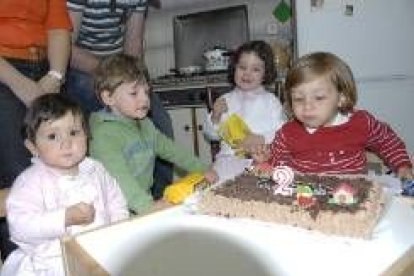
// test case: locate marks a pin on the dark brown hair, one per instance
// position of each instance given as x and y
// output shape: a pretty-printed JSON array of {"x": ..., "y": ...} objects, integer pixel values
[
  {"x": 117, "y": 69},
  {"x": 50, "y": 107},
  {"x": 322, "y": 64},
  {"x": 263, "y": 51}
]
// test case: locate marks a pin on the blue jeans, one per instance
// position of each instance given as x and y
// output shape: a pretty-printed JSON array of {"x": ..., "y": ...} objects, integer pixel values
[
  {"x": 14, "y": 157},
  {"x": 80, "y": 87}
]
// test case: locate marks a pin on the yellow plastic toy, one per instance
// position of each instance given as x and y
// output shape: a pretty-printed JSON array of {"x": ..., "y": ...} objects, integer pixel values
[
  {"x": 179, "y": 190},
  {"x": 234, "y": 130}
]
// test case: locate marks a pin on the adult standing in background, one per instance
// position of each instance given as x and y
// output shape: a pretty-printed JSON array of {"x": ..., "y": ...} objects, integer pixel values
[
  {"x": 102, "y": 28},
  {"x": 34, "y": 53}
]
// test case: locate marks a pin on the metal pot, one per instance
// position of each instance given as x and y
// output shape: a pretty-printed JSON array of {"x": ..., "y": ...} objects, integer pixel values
[
  {"x": 217, "y": 59},
  {"x": 189, "y": 70}
]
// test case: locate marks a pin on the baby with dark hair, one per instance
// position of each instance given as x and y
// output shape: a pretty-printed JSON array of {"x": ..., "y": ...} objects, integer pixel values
[
  {"x": 251, "y": 68},
  {"x": 62, "y": 192}
]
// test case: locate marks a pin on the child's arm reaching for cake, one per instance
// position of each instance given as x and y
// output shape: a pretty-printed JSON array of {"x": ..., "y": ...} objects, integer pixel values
[
  {"x": 178, "y": 191},
  {"x": 261, "y": 154},
  {"x": 252, "y": 143},
  {"x": 211, "y": 176}
]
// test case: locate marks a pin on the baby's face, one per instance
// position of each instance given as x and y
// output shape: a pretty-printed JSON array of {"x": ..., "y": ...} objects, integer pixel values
[
  {"x": 61, "y": 143},
  {"x": 130, "y": 100},
  {"x": 316, "y": 103}
]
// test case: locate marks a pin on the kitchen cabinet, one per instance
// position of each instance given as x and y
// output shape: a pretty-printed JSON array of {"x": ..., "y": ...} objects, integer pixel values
[
  {"x": 188, "y": 104},
  {"x": 188, "y": 130}
]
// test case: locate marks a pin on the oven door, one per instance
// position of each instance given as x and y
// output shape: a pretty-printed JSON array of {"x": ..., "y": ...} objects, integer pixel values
[
  {"x": 185, "y": 97},
  {"x": 191, "y": 96}
]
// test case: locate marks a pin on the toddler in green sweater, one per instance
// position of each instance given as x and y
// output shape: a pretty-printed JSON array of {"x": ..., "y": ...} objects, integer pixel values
[{"x": 125, "y": 140}]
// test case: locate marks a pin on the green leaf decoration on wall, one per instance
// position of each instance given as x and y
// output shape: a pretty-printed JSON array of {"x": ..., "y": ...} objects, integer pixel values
[{"x": 282, "y": 12}]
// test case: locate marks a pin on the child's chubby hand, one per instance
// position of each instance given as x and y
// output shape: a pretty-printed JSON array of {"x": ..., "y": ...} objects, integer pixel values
[
  {"x": 405, "y": 173},
  {"x": 211, "y": 176},
  {"x": 79, "y": 214},
  {"x": 261, "y": 154},
  {"x": 219, "y": 107},
  {"x": 252, "y": 143}
]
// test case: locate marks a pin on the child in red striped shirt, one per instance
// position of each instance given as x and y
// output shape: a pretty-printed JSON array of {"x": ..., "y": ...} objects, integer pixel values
[{"x": 327, "y": 134}]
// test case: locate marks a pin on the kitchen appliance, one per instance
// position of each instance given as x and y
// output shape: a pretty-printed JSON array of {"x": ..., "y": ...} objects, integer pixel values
[
  {"x": 188, "y": 98},
  {"x": 193, "y": 90},
  {"x": 196, "y": 34},
  {"x": 376, "y": 39},
  {"x": 203, "y": 42},
  {"x": 217, "y": 59},
  {"x": 189, "y": 70}
]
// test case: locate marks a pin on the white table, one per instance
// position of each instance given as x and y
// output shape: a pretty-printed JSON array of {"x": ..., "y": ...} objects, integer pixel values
[{"x": 176, "y": 242}]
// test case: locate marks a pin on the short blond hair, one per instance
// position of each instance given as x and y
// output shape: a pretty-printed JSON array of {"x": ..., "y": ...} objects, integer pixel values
[
  {"x": 320, "y": 64},
  {"x": 117, "y": 69}
]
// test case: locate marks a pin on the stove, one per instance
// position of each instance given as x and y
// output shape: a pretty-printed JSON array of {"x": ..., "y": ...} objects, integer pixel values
[
  {"x": 201, "y": 89},
  {"x": 187, "y": 81}
]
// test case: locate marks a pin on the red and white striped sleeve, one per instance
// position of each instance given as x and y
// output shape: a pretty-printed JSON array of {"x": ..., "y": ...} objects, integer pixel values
[{"x": 383, "y": 140}]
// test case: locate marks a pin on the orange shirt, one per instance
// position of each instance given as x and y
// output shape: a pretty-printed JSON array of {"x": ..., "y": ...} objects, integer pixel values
[{"x": 24, "y": 23}]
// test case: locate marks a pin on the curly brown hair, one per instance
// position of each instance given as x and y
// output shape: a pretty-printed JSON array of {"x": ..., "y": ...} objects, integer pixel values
[
  {"x": 263, "y": 51},
  {"x": 117, "y": 69},
  {"x": 320, "y": 64}
]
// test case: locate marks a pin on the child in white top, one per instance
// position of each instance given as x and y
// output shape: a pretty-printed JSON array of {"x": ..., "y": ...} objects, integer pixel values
[
  {"x": 252, "y": 67},
  {"x": 62, "y": 192}
]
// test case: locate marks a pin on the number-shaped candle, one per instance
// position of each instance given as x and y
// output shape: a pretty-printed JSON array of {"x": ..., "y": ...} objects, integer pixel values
[{"x": 283, "y": 176}]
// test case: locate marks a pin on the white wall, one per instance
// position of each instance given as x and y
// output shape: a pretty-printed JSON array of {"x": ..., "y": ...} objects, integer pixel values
[
  {"x": 377, "y": 41},
  {"x": 159, "y": 49},
  {"x": 391, "y": 101}
]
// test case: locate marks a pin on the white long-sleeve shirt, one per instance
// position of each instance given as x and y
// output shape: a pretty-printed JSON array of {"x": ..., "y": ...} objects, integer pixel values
[
  {"x": 260, "y": 110},
  {"x": 36, "y": 213}
]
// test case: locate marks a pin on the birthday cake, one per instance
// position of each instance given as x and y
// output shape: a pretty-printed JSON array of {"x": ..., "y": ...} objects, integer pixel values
[{"x": 348, "y": 205}]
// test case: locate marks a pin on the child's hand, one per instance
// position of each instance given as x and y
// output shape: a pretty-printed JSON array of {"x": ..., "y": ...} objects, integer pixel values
[
  {"x": 252, "y": 143},
  {"x": 160, "y": 205},
  {"x": 79, "y": 214},
  {"x": 405, "y": 173},
  {"x": 211, "y": 176},
  {"x": 219, "y": 107},
  {"x": 261, "y": 154}
]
